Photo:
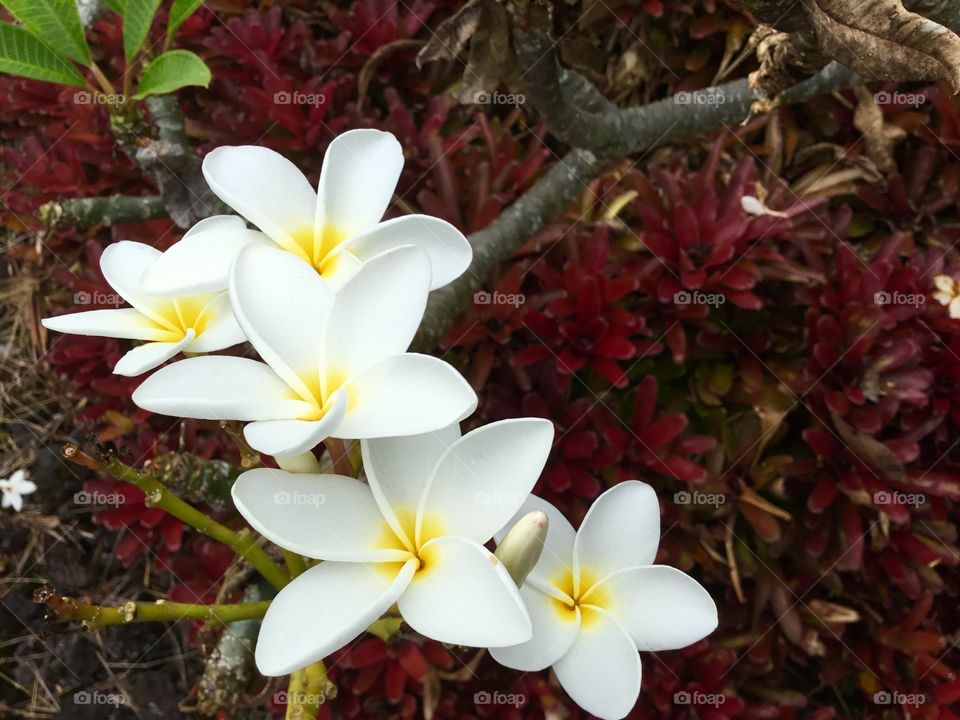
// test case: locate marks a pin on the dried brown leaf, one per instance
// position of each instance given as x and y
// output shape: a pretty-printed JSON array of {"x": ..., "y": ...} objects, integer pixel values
[{"x": 451, "y": 36}]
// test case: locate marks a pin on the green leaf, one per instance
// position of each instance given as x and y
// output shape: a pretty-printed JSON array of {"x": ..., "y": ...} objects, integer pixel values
[
  {"x": 181, "y": 10},
  {"x": 55, "y": 22},
  {"x": 116, "y": 5},
  {"x": 137, "y": 19},
  {"x": 172, "y": 71},
  {"x": 23, "y": 54}
]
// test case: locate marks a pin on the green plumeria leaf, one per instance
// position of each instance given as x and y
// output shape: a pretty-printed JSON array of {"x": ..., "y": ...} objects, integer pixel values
[
  {"x": 137, "y": 19},
  {"x": 172, "y": 71},
  {"x": 116, "y": 5},
  {"x": 21, "y": 53},
  {"x": 55, "y": 22},
  {"x": 181, "y": 10}
]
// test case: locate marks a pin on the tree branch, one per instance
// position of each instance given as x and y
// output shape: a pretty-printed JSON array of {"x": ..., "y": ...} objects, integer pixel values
[
  {"x": 168, "y": 159},
  {"x": 87, "y": 212},
  {"x": 625, "y": 132}
]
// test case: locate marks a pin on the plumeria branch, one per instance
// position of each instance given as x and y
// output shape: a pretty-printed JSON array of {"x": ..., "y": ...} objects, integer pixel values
[
  {"x": 635, "y": 130},
  {"x": 243, "y": 543},
  {"x": 66, "y": 609},
  {"x": 107, "y": 210},
  {"x": 309, "y": 688}
]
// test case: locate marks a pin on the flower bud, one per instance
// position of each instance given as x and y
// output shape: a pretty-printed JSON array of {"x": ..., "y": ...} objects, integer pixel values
[{"x": 520, "y": 550}]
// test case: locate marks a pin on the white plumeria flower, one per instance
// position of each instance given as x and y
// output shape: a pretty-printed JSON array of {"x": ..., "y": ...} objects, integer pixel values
[
  {"x": 595, "y": 599},
  {"x": 948, "y": 293},
  {"x": 198, "y": 322},
  {"x": 14, "y": 488},
  {"x": 414, "y": 536},
  {"x": 334, "y": 229},
  {"x": 334, "y": 364}
]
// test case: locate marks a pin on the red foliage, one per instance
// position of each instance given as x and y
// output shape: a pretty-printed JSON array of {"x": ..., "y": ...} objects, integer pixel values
[{"x": 801, "y": 434}]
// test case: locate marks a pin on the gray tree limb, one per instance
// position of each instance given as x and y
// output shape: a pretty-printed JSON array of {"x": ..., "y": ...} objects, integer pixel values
[
  {"x": 627, "y": 132},
  {"x": 107, "y": 210}
]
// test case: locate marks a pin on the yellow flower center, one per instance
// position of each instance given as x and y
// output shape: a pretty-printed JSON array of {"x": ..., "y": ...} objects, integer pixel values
[
  {"x": 178, "y": 315},
  {"x": 316, "y": 249},
  {"x": 431, "y": 526},
  {"x": 586, "y": 595}
]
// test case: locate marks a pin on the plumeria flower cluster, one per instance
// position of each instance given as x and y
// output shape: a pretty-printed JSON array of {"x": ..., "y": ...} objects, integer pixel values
[{"x": 329, "y": 298}]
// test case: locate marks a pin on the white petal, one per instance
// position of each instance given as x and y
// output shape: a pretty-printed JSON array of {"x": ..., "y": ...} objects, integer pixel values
[
  {"x": 405, "y": 394},
  {"x": 12, "y": 500},
  {"x": 360, "y": 171},
  {"x": 328, "y": 517},
  {"x": 555, "y": 628},
  {"x": 281, "y": 304},
  {"x": 127, "y": 323},
  {"x": 220, "y": 328},
  {"x": 620, "y": 530},
  {"x": 324, "y": 609},
  {"x": 601, "y": 671},
  {"x": 200, "y": 261},
  {"x": 661, "y": 607},
  {"x": 449, "y": 251},
  {"x": 123, "y": 265},
  {"x": 556, "y": 560},
  {"x": 944, "y": 283},
  {"x": 955, "y": 308},
  {"x": 219, "y": 388},
  {"x": 483, "y": 478},
  {"x": 147, "y": 357},
  {"x": 292, "y": 437},
  {"x": 463, "y": 595},
  {"x": 339, "y": 267},
  {"x": 26, "y": 487},
  {"x": 376, "y": 314},
  {"x": 268, "y": 190},
  {"x": 398, "y": 468}
]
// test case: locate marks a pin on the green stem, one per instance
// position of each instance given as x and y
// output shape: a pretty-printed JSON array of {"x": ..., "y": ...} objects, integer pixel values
[
  {"x": 243, "y": 543},
  {"x": 309, "y": 688},
  {"x": 65, "y": 609},
  {"x": 295, "y": 563}
]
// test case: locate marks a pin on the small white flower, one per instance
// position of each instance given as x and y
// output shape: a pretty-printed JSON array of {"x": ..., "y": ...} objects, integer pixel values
[
  {"x": 334, "y": 229},
  {"x": 414, "y": 536},
  {"x": 595, "y": 598},
  {"x": 14, "y": 488},
  {"x": 334, "y": 363},
  {"x": 948, "y": 293},
  {"x": 200, "y": 321}
]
